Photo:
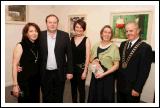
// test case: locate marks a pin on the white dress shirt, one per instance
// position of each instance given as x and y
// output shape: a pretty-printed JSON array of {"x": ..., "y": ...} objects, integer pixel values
[{"x": 51, "y": 60}]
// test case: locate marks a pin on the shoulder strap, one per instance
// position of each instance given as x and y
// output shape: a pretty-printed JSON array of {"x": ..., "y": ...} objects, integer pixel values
[{"x": 84, "y": 40}]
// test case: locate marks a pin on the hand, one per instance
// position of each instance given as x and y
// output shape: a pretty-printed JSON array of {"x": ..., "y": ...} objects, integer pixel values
[
  {"x": 134, "y": 93},
  {"x": 19, "y": 69},
  {"x": 16, "y": 90},
  {"x": 69, "y": 76},
  {"x": 98, "y": 65},
  {"x": 84, "y": 75},
  {"x": 99, "y": 75},
  {"x": 96, "y": 62}
]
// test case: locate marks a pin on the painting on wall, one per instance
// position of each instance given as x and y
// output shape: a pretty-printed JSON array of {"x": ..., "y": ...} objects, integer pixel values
[
  {"x": 72, "y": 19},
  {"x": 119, "y": 20},
  {"x": 16, "y": 14}
]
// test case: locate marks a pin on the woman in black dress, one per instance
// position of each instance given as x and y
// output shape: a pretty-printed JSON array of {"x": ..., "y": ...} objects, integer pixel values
[
  {"x": 26, "y": 83},
  {"x": 81, "y": 54},
  {"x": 104, "y": 55}
]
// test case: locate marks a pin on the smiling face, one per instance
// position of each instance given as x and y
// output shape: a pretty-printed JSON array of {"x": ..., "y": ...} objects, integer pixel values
[
  {"x": 32, "y": 33},
  {"x": 106, "y": 34},
  {"x": 79, "y": 30},
  {"x": 52, "y": 23},
  {"x": 132, "y": 31}
]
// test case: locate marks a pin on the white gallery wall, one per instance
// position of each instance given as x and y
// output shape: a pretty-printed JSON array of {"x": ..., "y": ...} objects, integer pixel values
[
  {"x": 13, "y": 34},
  {"x": 96, "y": 18}
]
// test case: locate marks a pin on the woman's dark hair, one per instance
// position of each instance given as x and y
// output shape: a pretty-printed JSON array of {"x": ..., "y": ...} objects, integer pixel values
[
  {"x": 81, "y": 22},
  {"x": 106, "y": 26},
  {"x": 26, "y": 28}
]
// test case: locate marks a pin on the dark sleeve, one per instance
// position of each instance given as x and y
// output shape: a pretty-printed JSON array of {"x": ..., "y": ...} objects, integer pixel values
[
  {"x": 69, "y": 54},
  {"x": 144, "y": 69},
  {"x": 41, "y": 46},
  {"x": 121, "y": 48}
]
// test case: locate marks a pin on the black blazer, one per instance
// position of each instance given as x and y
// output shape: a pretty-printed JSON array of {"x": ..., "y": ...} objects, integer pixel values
[
  {"x": 137, "y": 71},
  {"x": 62, "y": 50}
]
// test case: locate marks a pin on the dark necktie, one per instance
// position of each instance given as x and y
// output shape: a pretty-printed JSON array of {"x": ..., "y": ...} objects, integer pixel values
[{"x": 129, "y": 45}]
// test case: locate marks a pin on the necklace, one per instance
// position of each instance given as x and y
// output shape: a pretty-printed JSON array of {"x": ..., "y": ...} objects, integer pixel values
[
  {"x": 36, "y": 56},
  {"x": 104, "y": 46},
  {"x": 124, "y": 61}
]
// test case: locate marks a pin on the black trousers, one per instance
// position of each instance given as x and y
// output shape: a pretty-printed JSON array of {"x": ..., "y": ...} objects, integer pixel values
[
  {"x": 127, "y": 98},
  {"x": 52, "y": 87},
  {"x": 78, "y": 84},
  {"x": 30, "y": 89}
]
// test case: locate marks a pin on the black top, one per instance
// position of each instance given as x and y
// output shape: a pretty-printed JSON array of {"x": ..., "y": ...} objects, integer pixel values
[
  {"x": 79, "y": 52},
  {"x": 27, "y": 61},
  {"x": 100, "y": 50}
]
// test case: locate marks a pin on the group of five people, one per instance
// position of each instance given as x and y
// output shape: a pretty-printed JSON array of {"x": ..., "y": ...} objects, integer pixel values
[{"x": 46, "y": 59}]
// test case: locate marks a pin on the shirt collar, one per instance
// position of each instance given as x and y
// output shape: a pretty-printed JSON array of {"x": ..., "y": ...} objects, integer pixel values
[
  {"x": 134, "y": 41},
  {"x": 53, "y": 36}
]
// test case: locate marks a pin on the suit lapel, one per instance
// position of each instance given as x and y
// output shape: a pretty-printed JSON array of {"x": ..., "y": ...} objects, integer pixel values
[
  {"x": 128, "y": 51},
  {"x": 57, "y": 42},
  {"x": 136, "y": 43}
]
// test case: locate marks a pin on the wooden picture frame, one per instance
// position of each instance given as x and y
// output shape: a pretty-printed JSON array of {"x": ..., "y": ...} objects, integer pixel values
[
  {"x": 16, "y": 14},
  {"x": 119, "y": 20}
]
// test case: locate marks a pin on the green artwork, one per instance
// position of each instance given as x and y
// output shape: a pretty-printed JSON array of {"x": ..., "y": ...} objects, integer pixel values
[{"x": 119, "y": 22}]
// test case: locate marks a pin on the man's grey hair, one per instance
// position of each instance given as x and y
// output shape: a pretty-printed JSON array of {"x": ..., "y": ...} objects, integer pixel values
[{"x": 133, "y": 22}]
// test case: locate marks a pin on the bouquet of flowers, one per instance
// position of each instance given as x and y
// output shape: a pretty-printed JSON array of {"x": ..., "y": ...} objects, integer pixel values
[{"x": 95, "y": 68}]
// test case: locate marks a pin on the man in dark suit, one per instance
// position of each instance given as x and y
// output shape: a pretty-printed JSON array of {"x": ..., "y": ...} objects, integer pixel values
[
  {"x": 135, "y": 64},
  {"x": 56, "y": 60}
]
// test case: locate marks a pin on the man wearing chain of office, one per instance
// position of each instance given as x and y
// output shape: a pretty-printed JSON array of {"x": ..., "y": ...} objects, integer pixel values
[{"x": 135, "y": 64}]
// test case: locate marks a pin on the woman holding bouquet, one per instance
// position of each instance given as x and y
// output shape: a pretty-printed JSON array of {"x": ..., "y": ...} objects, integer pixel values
[{"x": 105, "y": 55}]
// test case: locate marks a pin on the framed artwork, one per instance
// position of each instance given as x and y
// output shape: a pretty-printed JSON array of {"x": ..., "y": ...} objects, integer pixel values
[
  {"x": 72, "y": 19},
  {"x": 16, "y": 14},
  {"x": 119, "y": 20}
]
